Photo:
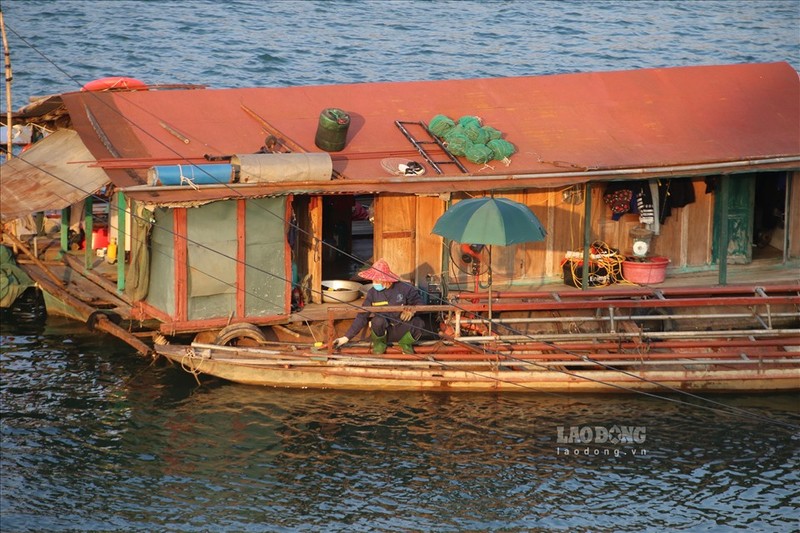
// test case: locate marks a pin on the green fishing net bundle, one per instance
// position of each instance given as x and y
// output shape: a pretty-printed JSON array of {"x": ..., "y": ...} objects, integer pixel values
[
  {"x": 469, "y": 138},
  {"x": 475, "y": 133},
  {"x": 491, "y": 133},
  {"x": 469, "y": 120},
  {"x": 440, "y": 125},
  {"x": 479, "y": 153},
  {"x": 501, "y": 150},
  {"x": 457, "y": 141}
]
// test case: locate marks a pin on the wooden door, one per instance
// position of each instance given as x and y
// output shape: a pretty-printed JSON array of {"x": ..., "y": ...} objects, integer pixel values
[
  {"x": 308, "y": 245},
  {"x": 739, "y": 198}
]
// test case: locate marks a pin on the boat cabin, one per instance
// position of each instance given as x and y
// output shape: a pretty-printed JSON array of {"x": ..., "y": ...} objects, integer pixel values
[{"x": 239, "y": 204}]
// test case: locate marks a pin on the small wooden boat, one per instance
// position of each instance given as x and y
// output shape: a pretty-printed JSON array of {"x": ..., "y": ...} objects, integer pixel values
[
  {"x": 613, "y": 351},
  {"x": 716, "y": 372}
]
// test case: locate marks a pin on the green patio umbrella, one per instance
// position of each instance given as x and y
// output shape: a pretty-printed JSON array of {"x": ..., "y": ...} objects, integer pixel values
[{"x": 489, "y": 221}]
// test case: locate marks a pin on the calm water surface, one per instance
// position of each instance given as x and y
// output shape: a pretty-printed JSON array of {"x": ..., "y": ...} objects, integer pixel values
[{"x": 96, "y": 439}]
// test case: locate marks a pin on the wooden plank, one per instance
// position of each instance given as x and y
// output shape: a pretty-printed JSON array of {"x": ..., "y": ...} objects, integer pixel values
[
  {"x": 314, "y": 249},
  {"x": 96, "y": 318}
]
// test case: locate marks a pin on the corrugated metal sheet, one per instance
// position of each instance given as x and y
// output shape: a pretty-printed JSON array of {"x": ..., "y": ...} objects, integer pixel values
[
  {"x": 570, "y": 127},
  {"x": 48, "y": 176}
]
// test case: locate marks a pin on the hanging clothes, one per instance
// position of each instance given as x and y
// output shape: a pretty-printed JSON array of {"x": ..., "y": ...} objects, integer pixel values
[
  {"x": 623, "y": 197},
  {"x": 644, "y": 201},
  {"x": 674, "y": 193},
  {"x": 618, "y": 195},
  {"x": 652, "y": 187}
]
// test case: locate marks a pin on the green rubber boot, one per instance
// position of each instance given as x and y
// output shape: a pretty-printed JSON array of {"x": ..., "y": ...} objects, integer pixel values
[
  {"x": 406, "y": 342},
  {"x": 378, "y": 343}
]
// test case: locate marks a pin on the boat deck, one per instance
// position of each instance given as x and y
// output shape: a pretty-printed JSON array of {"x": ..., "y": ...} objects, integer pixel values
[
  {"x": 760, "y": 272},
  {"x": 96, "y": 289},
  {"x": 546, "y": 333}
]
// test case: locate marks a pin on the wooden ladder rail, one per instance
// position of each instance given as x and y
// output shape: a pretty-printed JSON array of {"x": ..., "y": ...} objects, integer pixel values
[
  {"x": 420, "y": 145},
  {"x": 613, "y": 312}
]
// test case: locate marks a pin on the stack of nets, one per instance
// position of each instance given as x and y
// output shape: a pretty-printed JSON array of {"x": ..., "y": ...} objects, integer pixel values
[{"x": 469, "y": 138}]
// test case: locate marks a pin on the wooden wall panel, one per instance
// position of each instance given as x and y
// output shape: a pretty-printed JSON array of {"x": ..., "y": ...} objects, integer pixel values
[
  {"x": 668, "y": 242},
  {"x": 428, "y": 245},
  {"x": 685, "y": 237},
  {"x": 565, "y": 224},
  {"x": 614, "y": 233},
  {"x": 532, "y": 257},
  {"x": 395, "y": 233},
  {"x": 698, "y": 232},
  {"x": 505, "y": 264}
]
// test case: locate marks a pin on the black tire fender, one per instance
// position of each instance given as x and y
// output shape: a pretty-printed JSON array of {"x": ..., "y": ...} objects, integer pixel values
[{"x": 233, "y": 334}]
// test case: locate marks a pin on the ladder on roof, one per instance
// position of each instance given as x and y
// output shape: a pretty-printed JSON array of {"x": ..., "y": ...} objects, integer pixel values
[{"x": 421, "y": 145}]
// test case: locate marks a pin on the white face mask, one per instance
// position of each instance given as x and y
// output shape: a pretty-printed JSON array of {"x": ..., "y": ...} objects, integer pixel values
[{"x": 378, "y": 287}]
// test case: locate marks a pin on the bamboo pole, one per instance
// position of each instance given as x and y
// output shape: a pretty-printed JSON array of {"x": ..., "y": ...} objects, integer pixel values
[
  {"x": 9, "y": 77},
  {"x": 289, "y": 143}
]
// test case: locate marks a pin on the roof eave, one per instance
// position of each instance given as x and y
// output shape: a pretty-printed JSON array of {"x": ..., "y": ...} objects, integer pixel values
[{"x": 432, "y": 185}]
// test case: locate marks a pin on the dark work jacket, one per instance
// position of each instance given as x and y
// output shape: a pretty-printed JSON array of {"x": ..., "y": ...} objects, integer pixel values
[{"x": 400, "y": 293}]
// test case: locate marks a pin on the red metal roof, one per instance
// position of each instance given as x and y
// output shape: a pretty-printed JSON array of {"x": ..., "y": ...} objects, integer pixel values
[{"x": 574, "y": 126}]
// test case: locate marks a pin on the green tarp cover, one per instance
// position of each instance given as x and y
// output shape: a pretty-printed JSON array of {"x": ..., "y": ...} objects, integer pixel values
[
  {"x": 212, "y": 260},
  {"x": 13, "y": 280}
]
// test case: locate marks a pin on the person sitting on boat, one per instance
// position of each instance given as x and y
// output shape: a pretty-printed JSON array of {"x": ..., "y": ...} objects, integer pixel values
[{"x": 403, "y": 328}]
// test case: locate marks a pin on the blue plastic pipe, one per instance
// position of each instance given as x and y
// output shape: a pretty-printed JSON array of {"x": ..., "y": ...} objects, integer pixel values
[{"x": 197, "y": 174}]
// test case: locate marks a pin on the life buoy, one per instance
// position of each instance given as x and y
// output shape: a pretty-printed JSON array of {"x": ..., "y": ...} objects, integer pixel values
[{"x": 119, "y": 83}]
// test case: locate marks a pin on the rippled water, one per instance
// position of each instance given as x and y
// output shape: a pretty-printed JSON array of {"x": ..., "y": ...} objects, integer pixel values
[
  {"x": 96, "y": 439},
  {"x": 249, "y": 43}
]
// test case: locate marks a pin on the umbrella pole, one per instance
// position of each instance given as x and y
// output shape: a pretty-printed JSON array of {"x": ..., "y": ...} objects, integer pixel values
[{"x": 490, "y": 290}]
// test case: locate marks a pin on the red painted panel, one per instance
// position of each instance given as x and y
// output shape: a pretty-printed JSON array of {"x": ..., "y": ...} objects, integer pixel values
[{"x": 181, "y": 264}]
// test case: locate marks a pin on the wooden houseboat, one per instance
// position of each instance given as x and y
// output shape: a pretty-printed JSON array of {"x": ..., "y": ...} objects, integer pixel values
[{"x": 238, "y": 212}]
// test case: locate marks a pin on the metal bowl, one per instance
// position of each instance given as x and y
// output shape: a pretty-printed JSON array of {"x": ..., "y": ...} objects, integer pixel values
[{"x": 339, "y": 290}]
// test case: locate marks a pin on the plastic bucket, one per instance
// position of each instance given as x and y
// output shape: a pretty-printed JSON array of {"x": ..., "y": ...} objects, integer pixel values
[
  {"x": 332, "y": 130},
  {"x": 652, "y": 270},
  {"x": 99, "y": 239}
]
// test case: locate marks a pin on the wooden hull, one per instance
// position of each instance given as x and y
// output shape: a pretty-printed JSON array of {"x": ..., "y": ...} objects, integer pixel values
[
  {"x": 320, "y": 371},
  {"x": 57, "y": 306}
]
